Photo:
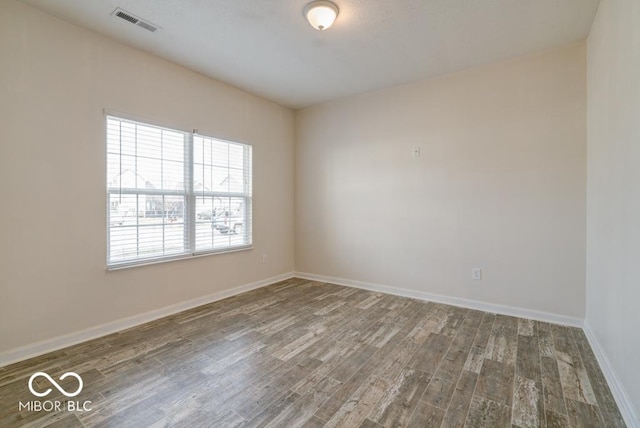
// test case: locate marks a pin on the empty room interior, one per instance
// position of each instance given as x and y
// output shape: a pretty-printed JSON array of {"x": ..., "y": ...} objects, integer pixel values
[{"x": 345, "y": 213}]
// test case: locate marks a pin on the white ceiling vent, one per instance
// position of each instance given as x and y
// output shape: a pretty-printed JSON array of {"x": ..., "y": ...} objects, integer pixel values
[{"x": 130, "y": 17}]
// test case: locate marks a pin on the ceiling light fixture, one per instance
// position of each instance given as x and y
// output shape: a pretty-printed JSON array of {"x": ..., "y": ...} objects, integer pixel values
[{"x": 321, "y": 14}]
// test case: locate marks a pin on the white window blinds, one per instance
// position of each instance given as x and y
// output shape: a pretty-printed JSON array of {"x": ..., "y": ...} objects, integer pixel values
[
  {"x": 173, "y": 194},
  {"x": 222, "y": 187}
]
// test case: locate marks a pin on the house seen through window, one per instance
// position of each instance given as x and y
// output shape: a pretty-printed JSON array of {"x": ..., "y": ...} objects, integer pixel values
[{"x": 173, "y": 193}]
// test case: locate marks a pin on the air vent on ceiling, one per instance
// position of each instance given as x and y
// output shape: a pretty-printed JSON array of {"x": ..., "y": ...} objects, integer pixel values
[{"x": 129, "y": 17}]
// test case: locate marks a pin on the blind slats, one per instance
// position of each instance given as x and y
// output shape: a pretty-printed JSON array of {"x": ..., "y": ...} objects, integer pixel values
[{"x": 172, "y": 193}]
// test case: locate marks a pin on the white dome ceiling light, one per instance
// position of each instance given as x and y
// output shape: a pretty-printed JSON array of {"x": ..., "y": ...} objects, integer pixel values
[{"x": 321, "y": 14}]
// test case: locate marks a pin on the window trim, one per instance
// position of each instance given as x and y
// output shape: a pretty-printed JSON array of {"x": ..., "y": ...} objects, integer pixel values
[
  {"x": 189, "y": 194},
  {"x": 182, "y": 256}
]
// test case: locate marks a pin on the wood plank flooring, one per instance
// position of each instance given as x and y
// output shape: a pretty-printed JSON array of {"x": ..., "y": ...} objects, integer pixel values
[{"x": 308, "y": 354}]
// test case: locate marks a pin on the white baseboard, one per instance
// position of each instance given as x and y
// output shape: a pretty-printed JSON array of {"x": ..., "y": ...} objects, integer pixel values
[
  {"x": 622, "y": 398},
  {"x": 49, "y": 345},
  {"x": 449, "y": 300},
  {"x": 619, "y": 393}
]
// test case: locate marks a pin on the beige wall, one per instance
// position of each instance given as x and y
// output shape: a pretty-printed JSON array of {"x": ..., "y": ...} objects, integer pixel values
[
  {"x": 613, "y": 210},
  {"x": 55, "y": 80},
  {"x": 500, "y": 185}
]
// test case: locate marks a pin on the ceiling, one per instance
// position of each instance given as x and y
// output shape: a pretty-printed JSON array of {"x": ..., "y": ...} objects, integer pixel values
[{"x": 266, "y": 46}]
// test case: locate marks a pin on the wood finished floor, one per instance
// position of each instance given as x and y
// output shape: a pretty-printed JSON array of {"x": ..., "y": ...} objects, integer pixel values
[{"x": 309, "y": 354}]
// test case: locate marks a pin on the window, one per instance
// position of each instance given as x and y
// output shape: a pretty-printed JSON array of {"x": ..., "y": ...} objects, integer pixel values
[{"x": 174, "y": 194}]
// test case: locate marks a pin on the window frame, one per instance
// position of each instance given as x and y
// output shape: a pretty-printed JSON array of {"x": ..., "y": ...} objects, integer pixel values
[{"x": 190, "y": 220}]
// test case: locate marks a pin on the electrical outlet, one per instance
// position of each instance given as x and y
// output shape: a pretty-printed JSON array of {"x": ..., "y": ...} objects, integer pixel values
[
  {"x": 476, "y": 274},
  {"x": 265, "y": 259}
]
